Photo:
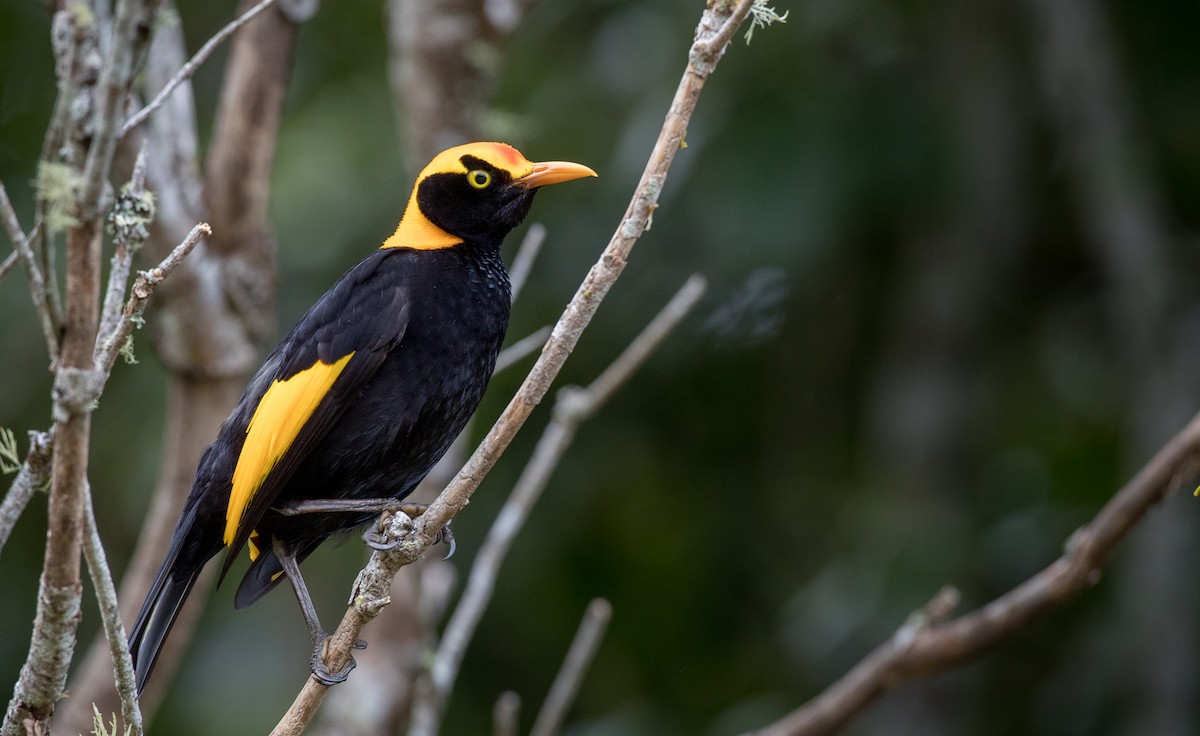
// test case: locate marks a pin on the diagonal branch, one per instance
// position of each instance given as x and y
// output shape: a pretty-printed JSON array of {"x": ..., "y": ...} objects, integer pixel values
[
  {"x": 572, "y": 407},
  {"x": 579, "y": 657},
  {"x": 187, "y": 70},
  {"x": 110, "y": 614},
  {"x": 718, "y": 22},
  {"x": 933, "y": 646},
  {"x": 34, "y": 474},
  {"x": 109, "y": 344},
  {"x": 33, "y": 272},
  {"x": 717, "y": 25}
]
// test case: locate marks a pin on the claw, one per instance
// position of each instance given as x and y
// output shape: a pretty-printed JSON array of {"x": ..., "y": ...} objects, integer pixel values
[
  {"x": 317, "y": 666},
  {"x": 446, "y": 536},
  {"x": 373, "y": 538}
]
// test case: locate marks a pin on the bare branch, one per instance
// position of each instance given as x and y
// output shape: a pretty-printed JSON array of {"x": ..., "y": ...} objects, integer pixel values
[
  {"x": 506, "y": 714},
  {"x": 110, "y": 615},
  {"x": 522, "y": 348},
  {"x": 185, "y": 73},
  {"x": 131, "y": 34},
  {"x": 579, "y": 657},
  {"x": 572, "y": 407},
  {"x": 920, "y": 651},
  {"x": 716, "y": 21},
  {"x": 34, "y": 474},
  {"x": 527, "y": 253},
  {"x": 109, "y": 346},
  {"x": 131, "y": 214},
  {"x": 37, "y": 282},
  {"x": 7, "y": 265}
]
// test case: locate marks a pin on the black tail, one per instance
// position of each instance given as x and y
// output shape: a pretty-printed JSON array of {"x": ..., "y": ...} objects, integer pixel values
[
  {"x": 171, "y": 587},
  {"x": 265, "y": 573}
]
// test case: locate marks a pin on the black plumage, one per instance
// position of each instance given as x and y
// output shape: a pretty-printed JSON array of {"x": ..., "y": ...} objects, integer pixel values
[{"x": 364, "y": 395}]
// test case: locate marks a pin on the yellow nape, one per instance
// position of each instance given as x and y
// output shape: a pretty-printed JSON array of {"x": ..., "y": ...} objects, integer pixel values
[
  {"x": 281, "y": 413},
  {"x": 415, "y": 229}
]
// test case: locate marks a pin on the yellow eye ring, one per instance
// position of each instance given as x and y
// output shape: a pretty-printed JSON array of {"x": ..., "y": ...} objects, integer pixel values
[{"x": 479, "y": 179}]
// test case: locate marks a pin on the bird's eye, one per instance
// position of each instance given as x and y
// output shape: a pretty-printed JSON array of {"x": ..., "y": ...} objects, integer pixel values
[{"x": 479, "y": 179}]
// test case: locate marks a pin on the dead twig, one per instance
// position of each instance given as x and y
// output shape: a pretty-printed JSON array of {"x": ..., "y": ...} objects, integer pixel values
[
  {"x": 109, "y": 346},
  {"x": 187, "y": 70},
  {"x": 935, "y": 645},
  {"x": 573, "y": 406},
  {"x": 34, "y": 474},
  {"x": 579, "y": 657},
  {"x": 110, "y": 615},
  {"x": 521, "y": 349},
  {"x": 33, "y": 272}
]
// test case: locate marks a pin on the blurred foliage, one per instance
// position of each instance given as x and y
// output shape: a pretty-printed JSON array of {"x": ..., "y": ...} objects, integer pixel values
[{"x": 912, "y": 368}]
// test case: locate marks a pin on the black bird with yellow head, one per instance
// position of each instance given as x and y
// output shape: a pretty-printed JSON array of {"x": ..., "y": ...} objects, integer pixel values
[{"x": 364, "y": 395}]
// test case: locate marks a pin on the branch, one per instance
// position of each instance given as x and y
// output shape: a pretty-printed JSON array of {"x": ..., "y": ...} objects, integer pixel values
[
  {"x": 717, "y": 23},
  {"x": 527, "y": 253},
  {"x": 34, "y": 474},
  {"x": 131, "y": 35},
  {"x": 108, "y": 346},
  {"x": 506, "y": 714},
  {"x": 110, "y": 615},
  {"x": 933, "y": 646},
  {"x": 9, "y": 261},
  {"x": 37, "y": 282},
  {"x": 573, "y": 406},
  {"x": 187, "y": 70},
  {"x": 570, "y": 677},
  {"x": 521, "y": 349},
  {"x": 129, "y": 217}
]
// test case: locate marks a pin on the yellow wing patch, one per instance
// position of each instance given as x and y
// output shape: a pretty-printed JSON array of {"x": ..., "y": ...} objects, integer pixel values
[{"x": 281, "y": 413}]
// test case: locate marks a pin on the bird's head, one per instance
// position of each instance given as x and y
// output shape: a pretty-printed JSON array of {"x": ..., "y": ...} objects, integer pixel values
[{"x": 475, "y": 192}]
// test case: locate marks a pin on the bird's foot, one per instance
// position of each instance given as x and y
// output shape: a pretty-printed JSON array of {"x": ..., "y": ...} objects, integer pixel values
[
  {"x": 373, "y": 537},
  {"x": 317, "y": 666}
]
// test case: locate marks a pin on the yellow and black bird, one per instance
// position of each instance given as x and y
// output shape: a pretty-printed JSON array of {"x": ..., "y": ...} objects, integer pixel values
[{"x": 363, "y": 396}]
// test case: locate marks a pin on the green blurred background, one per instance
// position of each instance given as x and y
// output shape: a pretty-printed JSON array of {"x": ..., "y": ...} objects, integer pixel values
[{"x": 952, "y": 255}]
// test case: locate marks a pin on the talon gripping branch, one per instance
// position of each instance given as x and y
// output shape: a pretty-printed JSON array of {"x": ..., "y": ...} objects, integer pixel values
[{"x": 362, "y": 397}]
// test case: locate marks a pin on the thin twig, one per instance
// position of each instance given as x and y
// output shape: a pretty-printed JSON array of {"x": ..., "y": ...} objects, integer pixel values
[
  {"x": 34, "y": 474},
  {"x": 572, "y": 407},
  {"x": 187, "y": 70},
  {"x": 522, "y": 265},
  {"x": 37, "y": 282},
  {"x": 506, "y": 714},
  {"x": 521, "y": 349},
  {"x": 129, "y": 217},
  {"x": 9, "y": 261},
  {"x": 110, "y": 615},
  {"x": 575, "y": 666},
  {"x": 934, "y": 646},
  {"x": 109, "y": 346},
  {"x": 719, "y": 20},
  {"x": 116, "y": 79}
]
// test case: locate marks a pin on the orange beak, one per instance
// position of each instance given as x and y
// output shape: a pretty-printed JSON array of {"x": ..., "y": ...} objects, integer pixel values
[{"x": 553, "y": 172}]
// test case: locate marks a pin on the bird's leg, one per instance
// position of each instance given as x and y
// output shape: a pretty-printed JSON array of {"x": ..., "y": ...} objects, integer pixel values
[
  {"x": 346, "y": 505},
  {"x": 371, "y": 537},
  {"x": 318, "y": 634}
]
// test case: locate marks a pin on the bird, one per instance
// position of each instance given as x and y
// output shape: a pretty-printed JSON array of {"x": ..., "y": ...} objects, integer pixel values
[{"x": 361, "y": 398}]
